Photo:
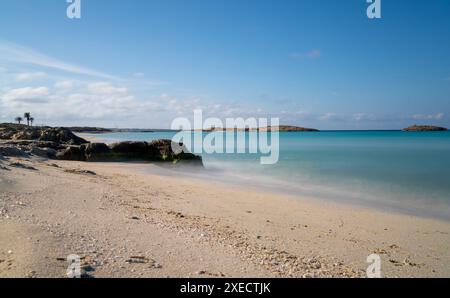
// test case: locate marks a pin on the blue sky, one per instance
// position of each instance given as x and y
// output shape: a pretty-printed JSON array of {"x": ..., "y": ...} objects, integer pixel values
[{"x": 316, "y": 63}]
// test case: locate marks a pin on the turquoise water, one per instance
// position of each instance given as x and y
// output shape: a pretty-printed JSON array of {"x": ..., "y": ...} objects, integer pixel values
[{"x": 395, "y": 170}]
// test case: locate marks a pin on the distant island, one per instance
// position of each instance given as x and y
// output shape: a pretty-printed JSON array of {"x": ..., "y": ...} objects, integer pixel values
[
  {"x": 87, "y": 129},
  {"x": 289, "y": 128},
  {"x": 425, "y": 128},
  {"x": 281, "y": 128}
]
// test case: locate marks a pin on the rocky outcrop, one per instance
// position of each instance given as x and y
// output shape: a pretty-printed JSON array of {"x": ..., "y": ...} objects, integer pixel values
[
  {"x": 75, "y": 153},
  {"x": 61, "y": 143},
  {"x": 425, "y": 128},
  {"x": 131, "y": 149},
  {"x": 27, "y": 134},
  {"x": 29, "y": 144},
  {"x": 160, "y": 150},
  {"x": 164, "y": 150},
  {"x": 44, "y": 152},
  {"x": 57, "y": 135},
  {"x": 97, "y": 152},
  {"x": 61, "y": 135},
  {"x": 8, "y": 130}
]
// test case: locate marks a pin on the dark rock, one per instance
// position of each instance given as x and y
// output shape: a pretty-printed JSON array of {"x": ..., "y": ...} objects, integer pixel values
[
  {"x": 43, "y": 152},
  {"x": 52, "y": 145},
  {"x": 166, "y": 150},
  {"x": 131, "y": 149},
  {"x": 425, "y": 128},
  {"x": 159, "y": 150},
  {"x": 30, "y": 144},
  {"x": 80, "y": 172},
  {"x": 12, "y": 152},
  {"x": 97, "y": 152},
  {"x": 61, "y": 135},
  {"x": 75, "y": 153},
  {"x": 22, "y": 166}
]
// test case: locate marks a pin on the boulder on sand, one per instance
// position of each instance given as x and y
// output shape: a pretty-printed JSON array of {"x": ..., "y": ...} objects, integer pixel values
[
  {"x": 166, "y": 150},
  {"x": 159, "y": 150},
  {"x": 131, "y": 150},
  {"x": 97, "y": 152},
  {"x": 44, "y": 152},
  {"x": 75, "y": 153}
]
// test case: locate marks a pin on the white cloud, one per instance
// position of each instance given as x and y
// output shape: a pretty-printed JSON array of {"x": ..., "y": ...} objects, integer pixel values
[
  {"x": 27, "y": 94},
  {"x": 26, "y": 76},
  {"x": 91, "y": 101}
]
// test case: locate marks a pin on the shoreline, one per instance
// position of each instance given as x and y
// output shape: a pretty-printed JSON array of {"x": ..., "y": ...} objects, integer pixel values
[
  {"x": 211, "y": 229},
  {"x": 277, "y": 186}
]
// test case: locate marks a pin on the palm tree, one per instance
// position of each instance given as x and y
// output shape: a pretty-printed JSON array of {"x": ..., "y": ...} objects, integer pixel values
[
  {"x": 27, "y": 116},
  {"x": 18, "y": 119},
  {"x": 31, "y": 121}
]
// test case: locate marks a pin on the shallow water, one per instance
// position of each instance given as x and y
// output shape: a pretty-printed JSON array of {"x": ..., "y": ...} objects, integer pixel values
[{"x": 395, "y": 170}]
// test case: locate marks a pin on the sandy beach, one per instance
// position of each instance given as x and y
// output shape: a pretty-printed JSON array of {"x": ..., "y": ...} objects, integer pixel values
[{"x": 124, "y": 222}]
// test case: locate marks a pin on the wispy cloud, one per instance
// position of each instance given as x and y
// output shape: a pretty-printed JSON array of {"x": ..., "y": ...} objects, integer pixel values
[
  {"x": 25, "y": 76},
  {"x": 16, "y": 53},
  {"x": 313, "y": 54}
]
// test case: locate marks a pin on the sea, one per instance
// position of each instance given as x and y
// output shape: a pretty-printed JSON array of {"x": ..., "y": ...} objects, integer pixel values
[{"x": 398, "y": 171}]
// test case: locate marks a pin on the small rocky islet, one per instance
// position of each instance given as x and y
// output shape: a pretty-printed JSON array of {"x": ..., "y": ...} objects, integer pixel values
[
  {"x": 62, "y": 144},
  {"x": 424, "y": 128}
]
